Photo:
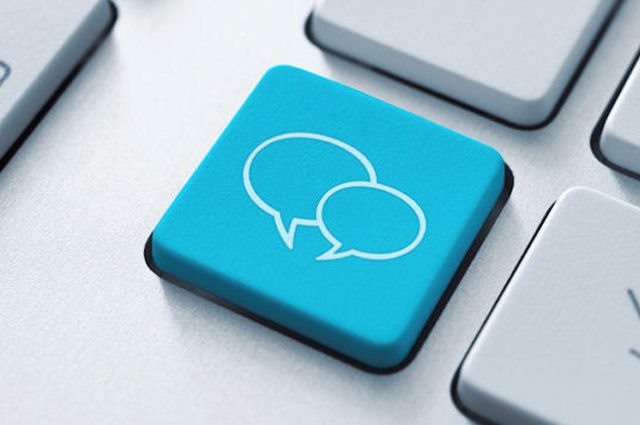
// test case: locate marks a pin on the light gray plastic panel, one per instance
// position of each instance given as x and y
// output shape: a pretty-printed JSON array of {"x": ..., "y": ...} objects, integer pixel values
[
  {"x": 562, "y": 344},
  {"x": 511, "y": 59},
  {"x": 41, "y": 41}
]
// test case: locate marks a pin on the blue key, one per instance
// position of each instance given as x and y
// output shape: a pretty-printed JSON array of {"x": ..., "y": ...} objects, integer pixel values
[{"x": 331, "y": 215}]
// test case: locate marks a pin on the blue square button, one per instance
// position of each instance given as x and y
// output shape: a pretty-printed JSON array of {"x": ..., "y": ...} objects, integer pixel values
[{"x": 333, "y": 215}]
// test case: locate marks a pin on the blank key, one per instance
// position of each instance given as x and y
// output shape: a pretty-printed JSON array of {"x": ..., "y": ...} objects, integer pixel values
[
  {"x": 510, "y": 59},
  {"x": 619, "y": 139},
  {"x": 41, "y": 42},
  {"x": 562, "y": 345}
]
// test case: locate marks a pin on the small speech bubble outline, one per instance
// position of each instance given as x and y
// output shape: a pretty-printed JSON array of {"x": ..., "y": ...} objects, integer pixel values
[
  {"x": 337, "y": 252},
  {"x": 287, "y": 230}
]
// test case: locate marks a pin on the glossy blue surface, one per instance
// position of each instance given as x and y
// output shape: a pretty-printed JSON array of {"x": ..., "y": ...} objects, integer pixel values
[{"x": 334, "y": 214}]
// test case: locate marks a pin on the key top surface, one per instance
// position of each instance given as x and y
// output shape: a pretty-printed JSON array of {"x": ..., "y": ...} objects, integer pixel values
[
  {"x": 620, "y": 137},
  {"x": 332, "y": 214},
  {"x": 40, "y": 44},
  {"x": 561, "y": 344},
  {"x": 512, "y": 60}
]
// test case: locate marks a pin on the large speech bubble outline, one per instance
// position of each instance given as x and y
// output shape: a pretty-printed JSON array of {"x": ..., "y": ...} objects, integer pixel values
[
  {"x": 334, "y": 253},
  {"x": 287, "y": 233}
]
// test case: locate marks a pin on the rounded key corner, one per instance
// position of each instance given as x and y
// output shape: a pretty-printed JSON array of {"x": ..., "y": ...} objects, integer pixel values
[
  {"x": 456, "y": 391},
  {"x": 148, "y": 257},
  {"x": 572, "y": 192},
  {"x": 598, "y": 131},
  {"x": 403, "y": 356},
  {"x": 597, "y": 145},
  {"x": 463, "y": 407},
  {"x": 284, "y": 74},
  {"x": 382, "y": 367},
  {"x": 596, "y": 142},
  {"x": 392, "y": 368},
  {"x": 508, "y": 182},
  {"x": 283, "y": 68},
  {"x": 308, "y": 30},
  {"x": 535, "y": 110},
  {"x": 600, "y": 154},
  {"x": 399, "y": 363},
  {"x": 310, "y": 27},
  {"x": 153, "y": 265},
  {"x": 392, "y": 350},
  {"x": 497, "y": 158},
  {"x": 115, "y": 14},
  {"x": 578, "y": 192}
]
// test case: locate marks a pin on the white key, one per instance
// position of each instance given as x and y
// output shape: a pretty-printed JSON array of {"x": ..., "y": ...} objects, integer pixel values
[
  {"x": 620, "y": 137},
  {"x": 511, "y": 59},
  {"x": 561, "y": 345},
  {"x": 41, "y": 41}
]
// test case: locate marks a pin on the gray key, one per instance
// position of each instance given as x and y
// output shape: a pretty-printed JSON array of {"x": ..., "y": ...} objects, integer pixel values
[
  {"x": 620, "y": 138},
  {"x": 41, "y": 41},
  {"x": 562, "y": 345},
  {"x": 512, "y": 59}
]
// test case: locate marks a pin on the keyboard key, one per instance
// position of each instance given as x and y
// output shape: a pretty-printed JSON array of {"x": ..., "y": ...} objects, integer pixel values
[
  {"x": 619, "y": 140},
  {"x": 561, "y": 344},
  {"x": 331, "y": 214},
  {"x": 41, "y": 42},
  {"x": 510, "y": 59}
]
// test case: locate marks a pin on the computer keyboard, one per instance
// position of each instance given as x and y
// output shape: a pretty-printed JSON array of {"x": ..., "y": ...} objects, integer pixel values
[{"x": 92, "y": 336}]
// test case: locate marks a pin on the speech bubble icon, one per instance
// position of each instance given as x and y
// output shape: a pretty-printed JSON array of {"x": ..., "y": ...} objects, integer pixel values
[
  {"x": 287, "y": 175},
  {"x": 369, "y": 220}
]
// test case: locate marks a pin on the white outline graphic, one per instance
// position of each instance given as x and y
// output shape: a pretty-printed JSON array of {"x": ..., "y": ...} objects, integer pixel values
[
  {"x": 334, "y": 252},
  {"x": 287, "y": 233}
]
